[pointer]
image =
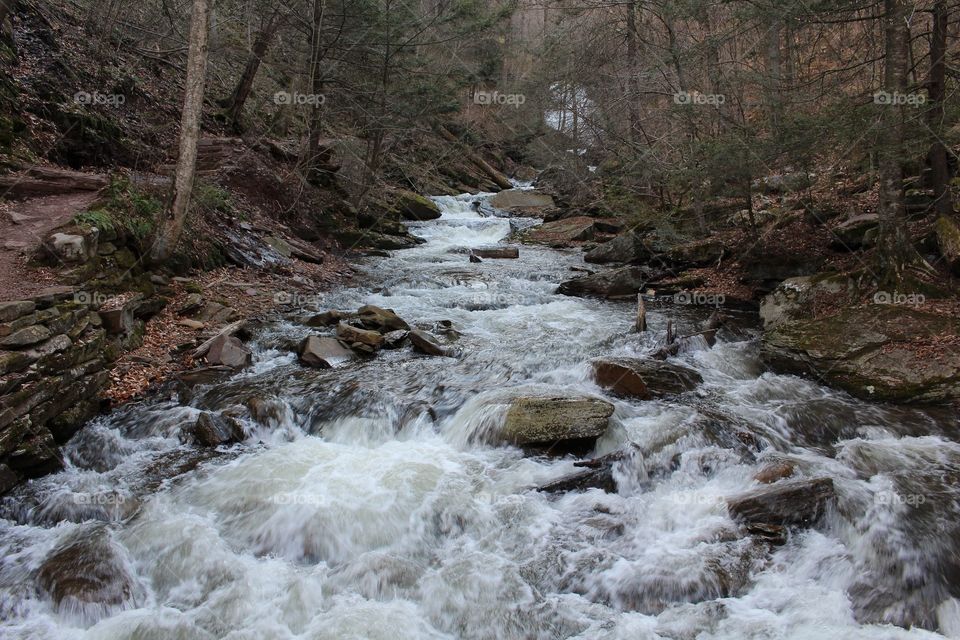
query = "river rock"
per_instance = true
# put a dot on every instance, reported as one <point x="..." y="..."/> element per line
<point x="564" y="232"/>
<point x="412" y="206"/>
<point x="618" y="282"/>
<point x="330" y="318"/>
<point x="426" y="343"/>
<point x="394" y="339"/>
<point x="354" y="335"/>
<point x="601" y="478"/>
<point x="211" y="430"/>
<point x="774" y="471"/>
<point x="496" y="253"/>
<point x="382" y="320"/>
<point x="629" y="247"/>
<point x="800" y="502"/>
<point x="644" y="379"/>
<point x="204" y="375"/>
<point x="324" y="352"/>
<point x="88" y="574"/>
<point x="519" y="199"/>
<point x="228" y="351"/>
<point x="541" y="420"/>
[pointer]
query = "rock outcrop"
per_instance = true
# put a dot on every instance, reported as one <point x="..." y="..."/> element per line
<point x="54" y="356"/>
<point x="871" y="351"/>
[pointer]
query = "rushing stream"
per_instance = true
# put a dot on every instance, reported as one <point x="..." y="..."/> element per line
<point x="368" y="502"/>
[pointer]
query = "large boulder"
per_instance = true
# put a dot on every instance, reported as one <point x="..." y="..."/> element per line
<point x="644" y="379"/>
<point x="544" y="420"/>
<point x="412" y="206"/>
<point x="521" y="199"/>
<point x="610" y="284"/>
<point x="324" y="352"/>
<point x="569" y="231"/>
<point x="629" y="247"/>
<point x="382" y="320"/>
<point x="88" y="575"/>
<point x="875" y="352"/>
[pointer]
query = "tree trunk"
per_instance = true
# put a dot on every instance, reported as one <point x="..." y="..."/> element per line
<point x="773" y="65"/>
<point x="236" y="102"/>
<point x="6" y="9"/>
<point x="169" y="235"/>
<point x="633" y="80"/>
<point x="308" y="164"/>
<point x="938" y="155"/>
<point x="893" y="241"/>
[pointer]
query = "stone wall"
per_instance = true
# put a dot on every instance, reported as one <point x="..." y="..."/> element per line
<point x="55" y="353"/>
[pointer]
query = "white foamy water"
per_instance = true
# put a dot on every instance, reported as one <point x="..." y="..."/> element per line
<point x="370" y="502"/>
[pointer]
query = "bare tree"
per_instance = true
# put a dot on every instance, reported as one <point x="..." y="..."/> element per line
<point x="169" y="235"/>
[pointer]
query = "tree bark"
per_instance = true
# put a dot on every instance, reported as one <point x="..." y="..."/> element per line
<point x="176" y="216"/>
<point x="236" y="102"/>
<point x="938" y="154"/>
<point x="633" y="81"/>
<point x="312" y="149"/>
<point x="6" y="11"/>
<point x="893" y="241"/>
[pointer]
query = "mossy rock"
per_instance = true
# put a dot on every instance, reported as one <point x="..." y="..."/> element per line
<point x="869" y="352"/>
<point x="948" y="239"/>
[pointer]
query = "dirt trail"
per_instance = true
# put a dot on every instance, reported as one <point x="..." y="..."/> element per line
<point x="23" y="225"/>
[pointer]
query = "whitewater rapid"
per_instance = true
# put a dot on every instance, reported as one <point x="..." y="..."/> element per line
<point x="366" y="502"/>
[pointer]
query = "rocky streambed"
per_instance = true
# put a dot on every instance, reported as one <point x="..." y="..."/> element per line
<point x="458" y="450"/>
